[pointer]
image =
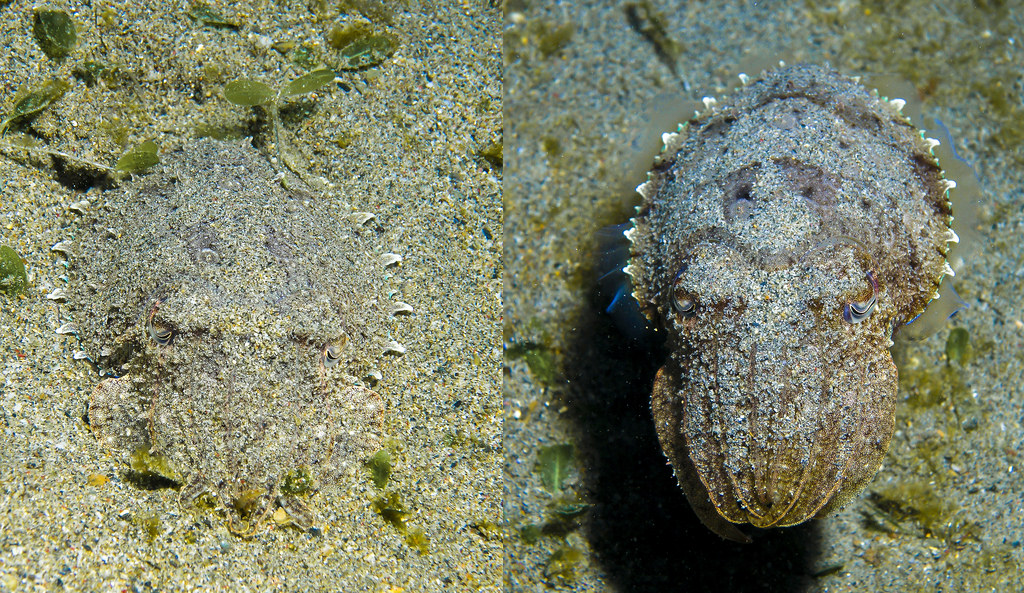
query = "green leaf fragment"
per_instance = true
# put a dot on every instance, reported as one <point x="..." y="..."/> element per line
<point x="55" y="32"/>
<point x="380" y="468"/>
<point x="554" y="462"/>
<point x="307" y="83"/>
<point x="342" y="35"/>
<point x="35" y="101"/>
<point x="367" y="51"/>
<point x="13" y="278"/>
<point x="202" y="12"/>
<point x="958" y="346"/>
<point x="138" y="158"/>
<point x="248" y="92"/>
<point x="374" y="10"/>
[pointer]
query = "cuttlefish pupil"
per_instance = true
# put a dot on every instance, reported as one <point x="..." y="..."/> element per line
<point x="858" y="311"/>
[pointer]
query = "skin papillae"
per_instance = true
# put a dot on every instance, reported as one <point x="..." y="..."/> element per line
<point x="783" y="234"/>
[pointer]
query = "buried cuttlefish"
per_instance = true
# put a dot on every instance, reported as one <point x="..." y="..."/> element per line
<point x="235" y="321"/>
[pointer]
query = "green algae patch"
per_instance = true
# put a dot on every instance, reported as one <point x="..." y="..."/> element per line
<point x="492" y="155"/>
<point x="13" y="278"/>
<point x="538" y="357"/>
<point x="958" y="346"/>
<point x="297" y="482"/>
<point x="560" y="569"/>
<point x="554" y="463"/>
<point x="151" y="525"/>
<point x="380" y="468"/>
<point x="417" y="539"/>
<point x="55" y="32"/>
<point x="391" y="508"/>
<point x="550" y="41"/>
<point x="150" y="472"/>
<point x="138" y="158"/>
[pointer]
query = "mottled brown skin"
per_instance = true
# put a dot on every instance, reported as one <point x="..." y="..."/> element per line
<point x="763" y="221"/>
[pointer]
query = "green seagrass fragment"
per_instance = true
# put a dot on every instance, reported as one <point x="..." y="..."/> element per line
<point x="554" y="462"/>
<point x="958" y="346"/>
<point x="139" y="158"/>
<point x="202" y="12"/>
<point x="341" y="36"/>
<point x="307" y="83"/>
<point x="55" y="32"/>
<point x="247" y="92"/>
<point x="13" y="278"/>
<point x="36" y="100"/>
<point x="368" y="51"/>
<point x="374" y="10"/>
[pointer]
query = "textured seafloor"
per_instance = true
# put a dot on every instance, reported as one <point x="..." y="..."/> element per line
<point x="399" y="140"/>
<point x="589" y="88"/>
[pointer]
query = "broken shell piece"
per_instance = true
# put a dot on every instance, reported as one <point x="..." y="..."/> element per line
<point x="374" y="377"/>
<point x="58" y="294"/>
<point x="361" y="218"/>
<point x="62" y="247"/>
<point x="390" y="259"/>
<point x="67" y="328"/>
<point x="395" y="348"/>
<point x="399" y="308"/>
<point x="79" y="207"/>
<point x="898" y="104"/>
<point x="80" y="355"/>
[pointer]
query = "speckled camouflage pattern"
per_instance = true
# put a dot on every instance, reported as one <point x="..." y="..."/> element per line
<point x="234" y="320"/>
<point x="784" y="233"/>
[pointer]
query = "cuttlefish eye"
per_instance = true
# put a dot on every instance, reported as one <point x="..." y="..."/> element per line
<point x="858" y="311"/>
<point x="162" y="335"/>
<point x="682" y="301"/>
<point x="331" y="355"/>
<point x="684" y="305"/>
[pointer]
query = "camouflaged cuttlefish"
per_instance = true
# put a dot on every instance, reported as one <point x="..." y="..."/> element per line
<point x="784" y="233"/>
<point x="234" y="320"/>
